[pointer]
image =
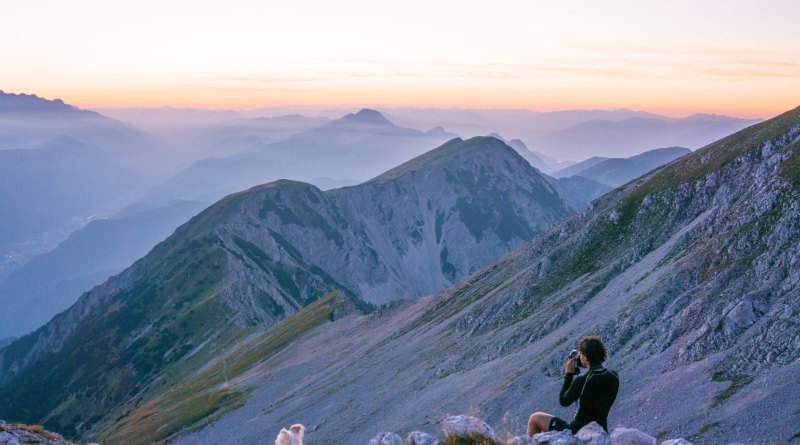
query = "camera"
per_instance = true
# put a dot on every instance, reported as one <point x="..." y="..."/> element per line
<point x="573" y="355"/>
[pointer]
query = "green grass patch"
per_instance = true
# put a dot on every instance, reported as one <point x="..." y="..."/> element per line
<point x="199" y="399"/>
<point x="790" y="169"/>
<point x="738" y="382"/>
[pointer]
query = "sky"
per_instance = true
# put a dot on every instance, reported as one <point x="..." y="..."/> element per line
<point x="678" y="57"/>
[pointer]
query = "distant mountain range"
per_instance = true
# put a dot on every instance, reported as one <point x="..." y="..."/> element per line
<point x="56" y="186"/>
<point x="579" y="134"/>
<point x="356" y="147"/>
<point x="629" y="136"/>
<point x="614" y="172"/>
<point x="60" y="167"/>
<point x="260" y="256"/>
<point x="51" y="282"/>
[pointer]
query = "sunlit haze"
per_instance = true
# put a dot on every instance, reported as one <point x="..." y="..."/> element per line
<point x="739" y="57"/>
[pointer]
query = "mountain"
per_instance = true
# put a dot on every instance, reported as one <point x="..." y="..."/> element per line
<point x="189" y="135"/>
<point x="61" y="166"/>
<point x="622" y="138"/>
<point x="689" y="274"/>
<point x="249" y="272"/>
<point x="51" y="282"/>
<point x="27" y="121"/>
<point x="577" y="191"/>
<point x="578" y="167"/>
<point x="356" y="147"/>
<point x="617" y="171"/>
<point x="57" y="186"/>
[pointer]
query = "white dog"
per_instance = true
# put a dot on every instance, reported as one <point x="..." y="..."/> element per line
<point x="292" y="436"/>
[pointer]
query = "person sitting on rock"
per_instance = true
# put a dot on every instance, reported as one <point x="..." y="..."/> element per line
<point x="596" y="391"/>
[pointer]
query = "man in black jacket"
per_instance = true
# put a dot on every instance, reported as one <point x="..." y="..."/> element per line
<point x="596" y="391"/>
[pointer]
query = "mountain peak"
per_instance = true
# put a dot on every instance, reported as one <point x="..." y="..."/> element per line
<point x="447" y="152"/>
<point x="11" y="102"/>
<point x="366" y="116"/>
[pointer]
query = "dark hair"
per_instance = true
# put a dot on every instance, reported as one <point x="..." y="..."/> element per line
<point x="593" y="349"/>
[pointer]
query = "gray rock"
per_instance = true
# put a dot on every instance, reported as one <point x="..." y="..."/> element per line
<point x="593" y="434"/>
<point x="555" y="438"/>
<point x="420" y="438"/>
<point x="386" y="439"/>
<point x="680" y="441"/>
<point x="7" y="439"/>
<point x="520" y="440"/>
<point x="631" y="436"/>
<point x="465" y="426"/>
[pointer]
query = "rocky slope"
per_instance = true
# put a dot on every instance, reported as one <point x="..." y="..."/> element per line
<point x="218" y="284"/>
<point x="690" y="274"/>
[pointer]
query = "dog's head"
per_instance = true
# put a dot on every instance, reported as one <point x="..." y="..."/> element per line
<point x="298" y="429"/>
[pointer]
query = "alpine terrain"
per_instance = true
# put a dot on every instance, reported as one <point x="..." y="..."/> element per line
<point x="691" y="274"/>
<point x="249" y="275"/>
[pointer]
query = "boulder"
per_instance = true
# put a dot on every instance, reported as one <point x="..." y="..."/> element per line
<point x="631" y="436"/>
<point x="593" y="434"/>
<point x="555" y="438"/>
<point x="420" y="438"/>
<point x="519" y="440"/>
<point x="386" y="439"/>
<point x="680" y="441"/>
<point x="467" y="426"/>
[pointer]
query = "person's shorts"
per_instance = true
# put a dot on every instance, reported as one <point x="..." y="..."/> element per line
<point x="558" y="424"/>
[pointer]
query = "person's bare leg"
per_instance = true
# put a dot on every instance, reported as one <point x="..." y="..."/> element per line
<point x="539" y="422"/>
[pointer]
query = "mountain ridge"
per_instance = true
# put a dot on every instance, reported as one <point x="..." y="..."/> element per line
<point x="687" y="273"/>
<point x="261" y="256"/>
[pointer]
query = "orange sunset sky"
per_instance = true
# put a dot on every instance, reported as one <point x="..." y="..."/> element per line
<point x="730" y="57"/>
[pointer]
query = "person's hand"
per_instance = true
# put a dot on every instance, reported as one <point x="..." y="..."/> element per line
<point x="569" y="366"/>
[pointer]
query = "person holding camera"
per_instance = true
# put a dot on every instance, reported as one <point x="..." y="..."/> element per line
<point x="595" y="391"/>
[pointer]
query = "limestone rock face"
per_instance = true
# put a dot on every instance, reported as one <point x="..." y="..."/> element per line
<point x="630" y="436"/>
<point x="386" y="439"/>
<point x="467" y="426"/>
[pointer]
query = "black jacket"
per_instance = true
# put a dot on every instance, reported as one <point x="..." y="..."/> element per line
<point x="596" y="390"/>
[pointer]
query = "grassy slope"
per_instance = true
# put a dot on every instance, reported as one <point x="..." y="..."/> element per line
<point x="195" y="398"/>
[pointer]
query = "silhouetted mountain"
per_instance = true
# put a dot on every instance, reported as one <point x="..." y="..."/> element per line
<point x="578" y="167"/>
<point x="61" y="166"/>
<point x="355" y="147"/>
<point x="627" y="137"/>
<point x="615" y="172"/>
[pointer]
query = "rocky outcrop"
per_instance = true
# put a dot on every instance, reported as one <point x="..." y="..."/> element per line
<point x="466" y="430"/>
<point x="468" y="427"/>
<point x="386" y="439"/>
<point x="630" y="436"/>
<point x="19" y="434"/>
<point x="420" y="438"/>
